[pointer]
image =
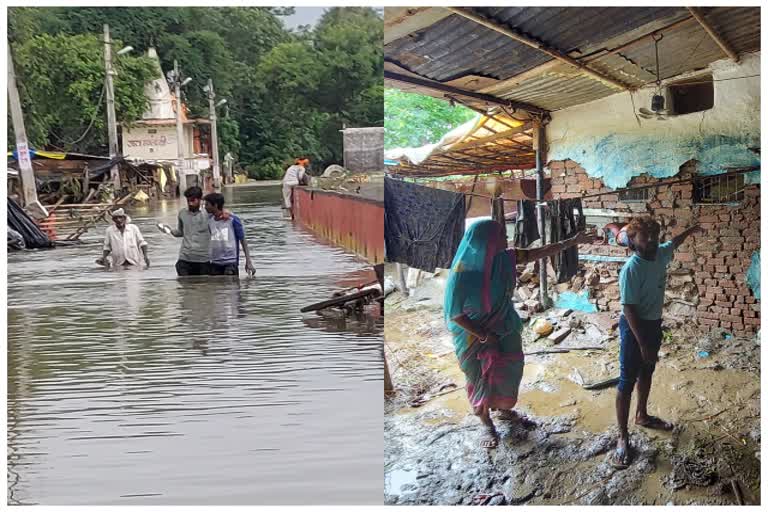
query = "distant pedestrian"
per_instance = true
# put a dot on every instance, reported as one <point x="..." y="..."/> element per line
<point x="295" y="175"/>
<point x="123" y="243"/>
<point x="226" y="237"/>
<point x="192" y="227"/>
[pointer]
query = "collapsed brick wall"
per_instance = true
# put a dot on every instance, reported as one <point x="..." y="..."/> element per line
<point x="707" y="279"/>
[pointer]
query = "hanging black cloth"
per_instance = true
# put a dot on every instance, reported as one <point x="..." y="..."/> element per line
<point x="423" y="226"/>
<point x="564" y="224"/>
<point x="526" y="228"/>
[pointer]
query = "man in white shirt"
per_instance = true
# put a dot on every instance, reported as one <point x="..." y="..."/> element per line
<point x="295" y="175"/>
<point x="124" y="243"/>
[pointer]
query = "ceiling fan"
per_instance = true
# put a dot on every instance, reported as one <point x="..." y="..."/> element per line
<point x="657" y="111"/>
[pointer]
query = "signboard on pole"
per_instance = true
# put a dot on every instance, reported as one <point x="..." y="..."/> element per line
<point x="25" y="162"/>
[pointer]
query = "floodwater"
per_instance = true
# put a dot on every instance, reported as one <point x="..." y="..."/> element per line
<point x="136" y="387"/>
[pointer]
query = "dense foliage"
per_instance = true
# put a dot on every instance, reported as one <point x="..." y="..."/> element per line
<point x="288" y="92"/>
<point x="413" y="120"/>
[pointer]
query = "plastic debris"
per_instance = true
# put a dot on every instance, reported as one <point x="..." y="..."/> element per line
<point x="542" y="327"/>
<point x="702" y="354"/>
<point x="576" y="302"/>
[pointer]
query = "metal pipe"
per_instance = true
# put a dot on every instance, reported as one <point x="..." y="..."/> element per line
<point x="539" y="142"/>
<point x="437" y="86"/>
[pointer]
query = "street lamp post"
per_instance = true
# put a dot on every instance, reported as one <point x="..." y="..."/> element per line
<point x="111" y="117"/>
<point x="214" y="133"/>
<point x="177" y="85"/>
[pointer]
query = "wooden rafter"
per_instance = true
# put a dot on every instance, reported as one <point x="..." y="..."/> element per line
<point x="503" y="135"/>
<point x="707" y="26"/>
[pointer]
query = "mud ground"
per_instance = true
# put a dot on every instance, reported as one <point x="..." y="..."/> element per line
<point x="432" y="441"/>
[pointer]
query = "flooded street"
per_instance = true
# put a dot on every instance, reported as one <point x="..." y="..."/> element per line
<point x="139" y="388"/>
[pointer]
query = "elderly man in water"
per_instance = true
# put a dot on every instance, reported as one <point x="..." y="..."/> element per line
<point x="642" y="282"/>
<point x="124" y="243"/>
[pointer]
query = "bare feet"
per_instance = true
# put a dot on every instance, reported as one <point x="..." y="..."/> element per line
<point x="622" y="457"/>
<point x="654" y="423"/>
<point x="490" y="437"/>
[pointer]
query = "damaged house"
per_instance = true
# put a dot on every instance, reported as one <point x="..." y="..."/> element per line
<point x="693" y="156"/>
<point x="615" y="113"/>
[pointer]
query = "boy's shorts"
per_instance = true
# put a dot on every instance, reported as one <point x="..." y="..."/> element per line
<point x="630" y="358"/>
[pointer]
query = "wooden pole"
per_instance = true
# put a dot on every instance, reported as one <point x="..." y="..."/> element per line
<point x="471" y="194"/>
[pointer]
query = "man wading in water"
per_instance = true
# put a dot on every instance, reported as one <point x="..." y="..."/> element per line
<point x="192" y="226"/>
<point x="124" y="243"/>
<point x="642" y="282"/>
<point x="227" y="234"/>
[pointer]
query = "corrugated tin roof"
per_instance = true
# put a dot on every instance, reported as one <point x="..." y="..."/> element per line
<point x="456" y="47"/>
<point x="740" y="26"/>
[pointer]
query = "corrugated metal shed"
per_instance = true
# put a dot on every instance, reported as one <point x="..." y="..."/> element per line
<point x="460" y="52"/>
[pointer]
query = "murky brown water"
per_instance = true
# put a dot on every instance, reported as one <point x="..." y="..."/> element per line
<point x="140" y="388"/>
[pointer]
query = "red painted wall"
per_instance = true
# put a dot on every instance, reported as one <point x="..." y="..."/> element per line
<point x="351" y="222"/>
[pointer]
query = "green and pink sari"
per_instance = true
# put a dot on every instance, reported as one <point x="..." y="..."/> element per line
<point x="480" y="285"/>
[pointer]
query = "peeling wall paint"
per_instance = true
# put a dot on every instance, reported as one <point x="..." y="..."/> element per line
<point x="611" y="143"/>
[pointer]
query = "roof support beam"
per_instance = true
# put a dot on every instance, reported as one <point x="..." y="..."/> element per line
<point x="706" y="25"/>
<point x="552" y="52"/>
<point x="508" y="134"/>
<point x="437" y="86"/>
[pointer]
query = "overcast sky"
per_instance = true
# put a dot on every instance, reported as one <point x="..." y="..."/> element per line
<point x="304" y="16"/>
<point x="309" y="16"/>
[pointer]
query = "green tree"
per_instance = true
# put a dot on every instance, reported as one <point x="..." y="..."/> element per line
<point x="288" y="92"/>
<point x="61" y="81"/>
<point x="413" y="120"/>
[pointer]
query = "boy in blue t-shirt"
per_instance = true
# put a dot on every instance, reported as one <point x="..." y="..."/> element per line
<point x="227" y="235"/>
<point x="642" y="282"/>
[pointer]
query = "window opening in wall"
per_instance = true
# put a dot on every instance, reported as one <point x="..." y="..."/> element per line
<point x="718" y="189"/>
<point x="635" y="196"/>
<point x="152" y="130"/>
<point x="692" y="95"/>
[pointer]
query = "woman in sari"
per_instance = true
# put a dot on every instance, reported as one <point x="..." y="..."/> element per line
<point x="486" y="329"/>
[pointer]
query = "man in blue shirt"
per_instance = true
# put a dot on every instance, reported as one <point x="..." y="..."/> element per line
<point x="227" y="235"/>
<point x="642" y="283"/>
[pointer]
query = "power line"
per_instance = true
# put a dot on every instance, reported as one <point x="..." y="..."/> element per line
<point x="90" y="125"/>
